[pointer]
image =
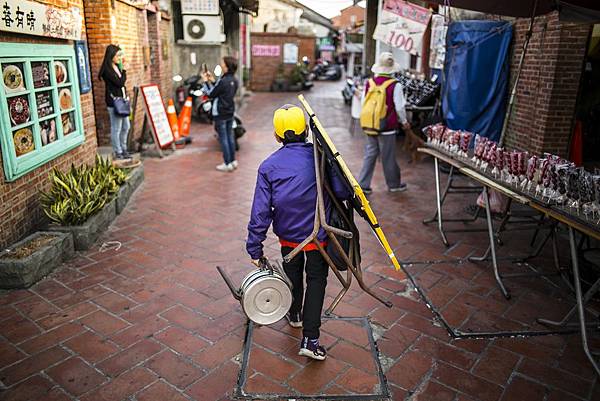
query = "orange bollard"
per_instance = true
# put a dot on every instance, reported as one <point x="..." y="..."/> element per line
<point x="185" y="117"/>
<point x="172" y="116"/>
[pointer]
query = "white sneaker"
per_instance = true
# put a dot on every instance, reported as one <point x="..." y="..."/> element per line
<point x="234" y="164"/>
<point x="225" y="167"/>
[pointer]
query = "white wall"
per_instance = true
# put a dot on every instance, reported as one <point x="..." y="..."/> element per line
<point x="278" y="17"/>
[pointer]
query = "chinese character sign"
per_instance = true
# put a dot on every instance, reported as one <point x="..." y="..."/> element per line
<point x="402" y="25"/>
<point x="266" y="50"/>
<point x="30" y="18"/>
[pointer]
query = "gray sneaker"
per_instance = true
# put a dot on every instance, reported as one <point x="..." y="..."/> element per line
<point x="401" y="188"/>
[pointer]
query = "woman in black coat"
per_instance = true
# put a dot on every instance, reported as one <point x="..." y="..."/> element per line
<point x="114" y="76"/>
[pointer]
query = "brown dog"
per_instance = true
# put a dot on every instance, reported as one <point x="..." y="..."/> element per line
<point x="411" y="142"/>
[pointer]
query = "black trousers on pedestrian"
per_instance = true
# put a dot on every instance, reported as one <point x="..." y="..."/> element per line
<point x="316" y="281"/>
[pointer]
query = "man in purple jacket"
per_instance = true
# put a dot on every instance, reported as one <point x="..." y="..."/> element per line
<point x="286" y="196"/>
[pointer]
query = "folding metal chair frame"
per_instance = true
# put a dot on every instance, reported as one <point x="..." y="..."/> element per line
<point x="352" y="259"/>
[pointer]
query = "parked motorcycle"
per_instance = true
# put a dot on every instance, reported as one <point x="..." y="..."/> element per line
<point x="348" y="91"/>
<point x="325" y="71"/>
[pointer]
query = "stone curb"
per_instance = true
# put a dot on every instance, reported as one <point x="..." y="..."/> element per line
<point x="23" y="273"/>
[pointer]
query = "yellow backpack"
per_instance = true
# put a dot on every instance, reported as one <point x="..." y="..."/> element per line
<point x="374" y="110"/>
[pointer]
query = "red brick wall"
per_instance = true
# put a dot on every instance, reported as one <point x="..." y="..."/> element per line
<point x="543" y="114"/>
<point x="136" y="31"/>
<point x="344" y="20"/>
<point x="130" y="34"/>
<point x="166" y="58"/>
<point x="264" y="69"/>
<point x="159" y="37"/>
<point x="20" y="211"/>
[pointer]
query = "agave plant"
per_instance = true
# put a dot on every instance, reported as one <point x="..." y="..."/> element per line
<point x="81" y="192"/>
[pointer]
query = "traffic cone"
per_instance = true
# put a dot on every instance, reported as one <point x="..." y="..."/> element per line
<point x="172" y="116"/>
<point x="185" y="117"/>
<point x="576" y="151"/>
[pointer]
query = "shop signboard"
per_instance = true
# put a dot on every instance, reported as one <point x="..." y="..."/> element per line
<point x="402" y="25"/>
<point x="326" y="48"/>
<point x="290" y="53"/>
<point x="31" y="18"/>
<point x="266" y="50"/>
<point x="83" y="66"/>
<point x="157" y="114"/>
<point x="205" y="7"/>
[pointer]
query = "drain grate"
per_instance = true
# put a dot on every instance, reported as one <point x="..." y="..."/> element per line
<point x="272" y="370"/>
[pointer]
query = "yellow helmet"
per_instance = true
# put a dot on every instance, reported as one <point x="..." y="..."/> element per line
<point x="289" y="118"/>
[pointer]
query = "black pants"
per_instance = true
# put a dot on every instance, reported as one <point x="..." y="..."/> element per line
<point x="316" y="281"/>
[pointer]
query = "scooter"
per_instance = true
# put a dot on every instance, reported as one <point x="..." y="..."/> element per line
<point x="205" y="107"/>
<point x="348" y="91"/>
<point x="352" y="85"/>
<point x="326" y="71"/>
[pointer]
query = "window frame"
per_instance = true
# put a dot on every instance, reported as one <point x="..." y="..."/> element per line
<point x="12" y="53"/>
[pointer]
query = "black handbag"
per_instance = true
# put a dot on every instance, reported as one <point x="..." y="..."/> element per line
<point x="122" y="105"/>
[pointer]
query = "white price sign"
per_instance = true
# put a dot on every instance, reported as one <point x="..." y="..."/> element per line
<point x="402" y="25"/>
<point x="290" y="53"/>
<point x="155" y="108"/>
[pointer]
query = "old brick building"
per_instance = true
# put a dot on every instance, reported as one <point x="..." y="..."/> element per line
<point x="52" y="121"/>
<point x="24" y="170"/>
<point x="144" y="33"/>
<point x="349" y="18"/>
<point x="268" y="53"/>
<point x="544" y="111"/>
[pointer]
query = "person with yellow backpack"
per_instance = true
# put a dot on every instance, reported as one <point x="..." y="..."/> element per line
<point x="383" y="113"/>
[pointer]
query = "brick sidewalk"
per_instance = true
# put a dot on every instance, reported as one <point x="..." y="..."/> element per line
<point x="154" y="320"/>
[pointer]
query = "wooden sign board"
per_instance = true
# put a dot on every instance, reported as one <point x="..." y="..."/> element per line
<point x="157" y="115"/>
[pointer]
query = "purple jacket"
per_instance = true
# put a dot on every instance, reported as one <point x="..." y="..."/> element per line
<point x="286" y="195"/>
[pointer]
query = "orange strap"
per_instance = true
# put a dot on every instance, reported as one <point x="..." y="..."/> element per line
<point x="310" y="247"/>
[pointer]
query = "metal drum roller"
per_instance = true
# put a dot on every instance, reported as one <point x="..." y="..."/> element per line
<point x="265" y="293"/>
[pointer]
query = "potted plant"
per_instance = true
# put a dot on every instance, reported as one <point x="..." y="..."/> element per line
<point x="83" y="201"/>
<point x="296" y="78"/>
<point x="33" y="258"/>
<point x="280" y="83"/>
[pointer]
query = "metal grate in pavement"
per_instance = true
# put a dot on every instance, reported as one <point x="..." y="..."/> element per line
<point x="272" y="370"/>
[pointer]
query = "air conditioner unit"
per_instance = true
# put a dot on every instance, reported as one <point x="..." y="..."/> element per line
<point x="203" y="29"/>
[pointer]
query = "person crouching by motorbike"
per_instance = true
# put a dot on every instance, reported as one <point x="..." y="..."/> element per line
<point x="222" y="93"/>
<point x="286" y="195"/>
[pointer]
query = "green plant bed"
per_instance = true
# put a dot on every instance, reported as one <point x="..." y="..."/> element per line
<point x="33" y="258"/>
<point x="82" y="201"/>
<point x="86" y="234"/>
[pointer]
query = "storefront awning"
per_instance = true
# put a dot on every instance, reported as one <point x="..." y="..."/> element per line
<point x="587" y="11"/>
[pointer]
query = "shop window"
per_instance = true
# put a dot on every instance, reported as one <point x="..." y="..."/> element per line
<point x="39" y="105"/>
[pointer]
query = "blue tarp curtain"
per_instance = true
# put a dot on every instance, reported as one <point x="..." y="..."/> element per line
<point x="475" y="87"/>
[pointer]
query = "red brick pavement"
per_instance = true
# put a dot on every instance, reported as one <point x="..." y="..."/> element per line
<point x="154" y="321"/>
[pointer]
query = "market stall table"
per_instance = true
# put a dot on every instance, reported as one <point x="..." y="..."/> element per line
<point x="572" y="222"/>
